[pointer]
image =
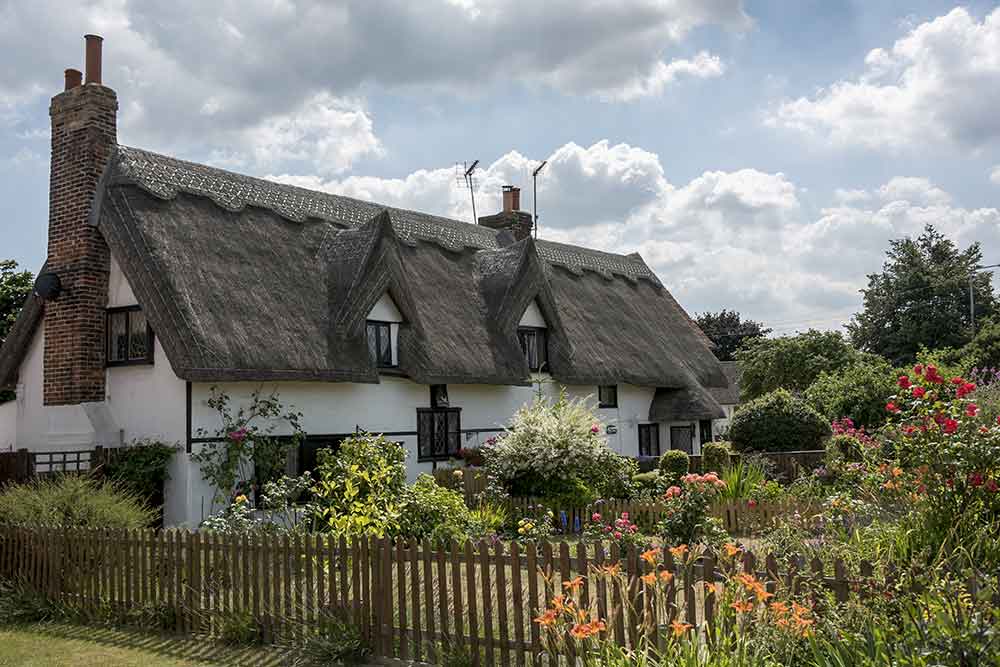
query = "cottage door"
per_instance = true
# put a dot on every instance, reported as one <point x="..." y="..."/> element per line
<point x="682" y="438"/>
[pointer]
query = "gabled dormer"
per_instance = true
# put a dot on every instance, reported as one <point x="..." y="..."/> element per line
<point x="382" y="332"/>
<point x="532" y="334"/>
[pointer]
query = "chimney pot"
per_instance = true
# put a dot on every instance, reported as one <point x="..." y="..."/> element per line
<point x="511" y="198"/>
<point x="93" y="59"/>
<point x="74" y="78"/>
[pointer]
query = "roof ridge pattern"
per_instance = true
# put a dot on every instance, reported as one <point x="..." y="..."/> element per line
<point x="165" y="177"/>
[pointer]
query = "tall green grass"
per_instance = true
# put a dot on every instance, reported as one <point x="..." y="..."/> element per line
<point x="742" y="479"/>
<point x="73" y="501"/>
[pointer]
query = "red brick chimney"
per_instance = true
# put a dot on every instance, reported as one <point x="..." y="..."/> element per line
<point x="511" y="218"/>
<point x="84" y="132"/>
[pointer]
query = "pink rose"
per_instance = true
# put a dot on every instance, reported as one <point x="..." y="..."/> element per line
<point x="239" y="435"/>
<point x="595" y="517"/>
<point x="618" y="535"/>
<point x="595" y="429"/>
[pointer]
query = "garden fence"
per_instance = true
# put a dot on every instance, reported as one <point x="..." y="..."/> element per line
<point x="407" y="599"/>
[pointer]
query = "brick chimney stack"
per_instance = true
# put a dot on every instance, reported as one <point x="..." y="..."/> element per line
<point x="511" y="218"/>
<point x="84" y="133"/>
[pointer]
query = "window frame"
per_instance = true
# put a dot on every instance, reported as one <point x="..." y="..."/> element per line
<point x="654" y="430"/>
<point x="447" y="454"/>
<point x="110" y="313"/>
<point x="601" y="402"/>
<point x="379" y="324"/>
<point x="541" y="351"/>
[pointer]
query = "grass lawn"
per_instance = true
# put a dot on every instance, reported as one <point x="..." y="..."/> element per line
<point x="51" y="645"/>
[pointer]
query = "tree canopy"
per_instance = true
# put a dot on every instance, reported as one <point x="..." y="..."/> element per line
<point x="921" y="298"/>
<point x="790" y="362"/>
<point x="729" y="331"/>
<point x="15" y="286"/>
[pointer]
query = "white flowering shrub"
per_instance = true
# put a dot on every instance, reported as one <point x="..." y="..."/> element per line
<point x="554" y="450"/>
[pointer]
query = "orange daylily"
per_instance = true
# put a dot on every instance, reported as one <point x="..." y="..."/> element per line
<point x="649" y="578"/>
<point x="652" y="556"/>
<point x="574" y="584"/>
<point x="666" y="576"/>
<point x="679" y="551"/>
<point x="680" y="628"/>
<point x="742" y="606"/>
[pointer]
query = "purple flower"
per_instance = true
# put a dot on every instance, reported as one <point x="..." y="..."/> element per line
<point x="595" y="429"/>
<point x="239" y="435"/>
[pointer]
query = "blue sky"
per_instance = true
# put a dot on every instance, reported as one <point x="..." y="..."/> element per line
<point x="759" y="155"/>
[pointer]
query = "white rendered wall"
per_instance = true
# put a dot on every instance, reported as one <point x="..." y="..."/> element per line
<point x="533" y="317"/>
<point x="8" y="425"/>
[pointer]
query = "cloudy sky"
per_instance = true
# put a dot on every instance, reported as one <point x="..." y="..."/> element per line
<point x="758" y="154"/>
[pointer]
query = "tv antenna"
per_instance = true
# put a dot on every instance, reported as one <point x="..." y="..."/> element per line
<point x="468" y="176"/>
<point x="534" y="192"/>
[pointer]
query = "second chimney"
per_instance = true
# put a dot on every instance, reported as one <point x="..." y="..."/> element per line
<point x="92" y="66"/>
<point x="511" y="199"/>
<point x="511" y="218"/>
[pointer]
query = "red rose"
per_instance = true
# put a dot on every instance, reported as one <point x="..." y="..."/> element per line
<point x="950" y="425"/>
<point x="971" y="409"/>
<point x="957" y="380"/>
<point x="751" y="504"/>
<point x="918" y="392"/>
<point x="976" y="479"/>
<point x="904" y="381"/>
<point x="992" y="486"/>
<point x="918" y="369"/>
<point x="892" y="407"/>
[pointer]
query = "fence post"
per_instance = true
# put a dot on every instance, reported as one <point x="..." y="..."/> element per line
<point x="24" y="468"/>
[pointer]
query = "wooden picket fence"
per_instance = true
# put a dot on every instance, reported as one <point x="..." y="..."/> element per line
<point x="407" y="599"/>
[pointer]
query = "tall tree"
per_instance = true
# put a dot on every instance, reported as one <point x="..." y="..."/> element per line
<point x="791" y="362"/>
<point x="921" y="298"/>
<point x="729" y="331"/>
<point x="15" y="286"/>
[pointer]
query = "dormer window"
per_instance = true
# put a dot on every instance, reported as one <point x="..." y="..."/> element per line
<point x="130" y="338"/>
<point x="380" y="345"/>
<point x="535" y="347"/>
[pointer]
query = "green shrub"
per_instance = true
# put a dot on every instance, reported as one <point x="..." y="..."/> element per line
<point x="487" y="519"/>
<point x="141" y="469"/>
<point x="777" y="422"/>
<point x="360" y="488"/>
<point x="674" y="464"/>
<point x="715" y="457"/>
<point x="554" y="449"/>
<point x="73" y="501"/>
<point x="427" y="505"/>
<point x="744" y="481"/>
<point x="648" y="484"/>
<point x="858" y="392"/>
<point x="844" y="448"/>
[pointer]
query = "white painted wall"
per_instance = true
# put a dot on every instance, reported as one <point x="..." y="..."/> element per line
<point x="8" y="425"/>
<point x="533" y="316"/>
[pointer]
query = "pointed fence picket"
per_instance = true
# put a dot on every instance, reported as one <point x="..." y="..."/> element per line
<point x="409" y="599"/>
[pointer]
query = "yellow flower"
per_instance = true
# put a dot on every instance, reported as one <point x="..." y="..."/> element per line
<point x="240" y="499"/>
<point x="521" y="530"/>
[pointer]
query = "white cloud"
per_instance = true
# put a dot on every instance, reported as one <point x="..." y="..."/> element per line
<point x="938" y="84"/>
<point x="653" y="83"/>
<point x="995" y="175"/>
<point x="913" y="189"/>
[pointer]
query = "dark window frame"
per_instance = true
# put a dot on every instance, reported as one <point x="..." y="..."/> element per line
<point x="451" y="449"/>
<point x="602" y="401"/>
<point x="147" y="360"/>
<point x="439" y="396"/>
<point x="379" y="325"/>
<point x="692" y="437"/>
<point x="541" y="360"/>
<point x="653" y="431"/>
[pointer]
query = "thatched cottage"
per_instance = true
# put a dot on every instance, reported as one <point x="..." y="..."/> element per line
<point x="165" y="278"/>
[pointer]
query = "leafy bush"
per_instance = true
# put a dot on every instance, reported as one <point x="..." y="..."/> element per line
<point x="73" y="501"/>
<point x="340" y="642"/>
<point x="487" y="519"/>
<point x="777" y="422"/>
<point x="536" y="524"/>
<point x="685" y="515"/>
<point x="554" y="449"/>
<point x="674" y="464"/>
<point x="360" y="488"/>
<point x="845" y="448"/>
<point x="858" y="392"/>
<point x="715" y="457"/>
<point x="620" y="530"/>
<point x="648" y="485"/>
<point x="280" y="513"/>
<point x="427" y="505"/>
<point x="141" y="469"/>
<point x="791" y="362"/>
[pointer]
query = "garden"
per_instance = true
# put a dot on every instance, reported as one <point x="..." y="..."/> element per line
<point x="886" y="553"/>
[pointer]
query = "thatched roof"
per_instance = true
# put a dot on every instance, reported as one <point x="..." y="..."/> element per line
<point x="685" y="404"/>
<point x="730" y="394"/>
<point x="245" y="279"/>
